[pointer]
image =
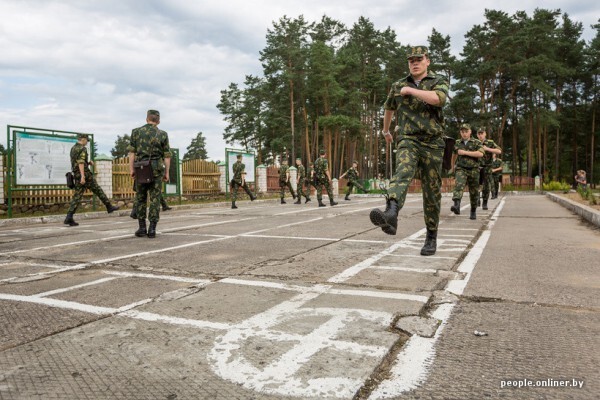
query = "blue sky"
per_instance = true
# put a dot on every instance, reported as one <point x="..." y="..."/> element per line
<point x="97" y="66"/>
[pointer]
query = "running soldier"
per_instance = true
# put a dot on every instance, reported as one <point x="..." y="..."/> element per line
<point x="84" y="179"/>
<point x="352" y="180"/>
<point x="467" y="153"/>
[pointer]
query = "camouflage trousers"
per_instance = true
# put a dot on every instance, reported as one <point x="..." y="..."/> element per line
<point x="319" y="185"/>
<point x="90" y="184"/>
<point x="488" y="183"/>
<point x="496" y="184"/>
<point x="467" y="177"/>
<point x="154" y="190"/>
<point x="300" y="189"/>
<point x="163" y="202"/>
<point x="412" y="156"/>
<point x="234" y="189"/>
<point x="352" y="184"/>
<point x="284" y="185"/>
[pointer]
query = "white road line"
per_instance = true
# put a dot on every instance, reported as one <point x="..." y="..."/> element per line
<point x="405" y="269"/>
<point x="147" y="316"/>
<point x="68" y="289"/>
<point x="364" y="241"/>
<point x="382" y="295"/>
<point x="152" y="276"/>
<point x="69" y="305"/>
<point x="428" y="257"/>
<point x="290" y="237"/>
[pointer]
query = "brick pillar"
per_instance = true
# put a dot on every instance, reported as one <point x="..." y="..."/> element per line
<point x="293" y="177"/>
<point x="261" y="179"/>
<point x="103" y="168"/>
<point x="222" y="178"/>
<point x="335" y="187"/>
<point x="1" y="180"/>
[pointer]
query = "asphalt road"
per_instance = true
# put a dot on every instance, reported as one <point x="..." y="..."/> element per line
<point x="275" y="301"/>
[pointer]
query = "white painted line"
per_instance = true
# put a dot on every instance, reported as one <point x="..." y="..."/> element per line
<point x="54" y="271"/>
<point x="405" y="269"/>
<point x="187" y="227"/>
<point x="291" y="237"/>
<point x="365" y="241"/>
<point x="458" y="229"/>
<point x="428" y="257"/>
<point x="444" y="236"/>
<point x="382" y="295"/>
<point x="69" y="305"/>
<point x="68" y="289"/>
<point x="133" y="305"/>
<point x="147" y="316"/>
<point x="152" y="276"/>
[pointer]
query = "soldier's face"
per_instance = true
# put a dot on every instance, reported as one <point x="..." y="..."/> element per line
<point x="418" y="66"/>
<point x="481" y="135"/>
<point x="465" y="134"/>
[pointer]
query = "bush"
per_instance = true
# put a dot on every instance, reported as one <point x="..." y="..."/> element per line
<point x="554" y="186"/>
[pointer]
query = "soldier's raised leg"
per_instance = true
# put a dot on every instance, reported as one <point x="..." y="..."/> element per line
<point x="431" y="178"/>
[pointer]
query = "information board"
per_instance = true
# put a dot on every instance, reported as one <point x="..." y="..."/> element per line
<point x="247" y="159"/>
<point x="42" y="159"/>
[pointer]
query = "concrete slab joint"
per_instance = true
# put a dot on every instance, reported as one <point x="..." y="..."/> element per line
<point x="421" y="326"/>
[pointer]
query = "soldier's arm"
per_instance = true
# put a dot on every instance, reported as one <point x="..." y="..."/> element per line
<point x="131" y="161"/>
<point x="435" y="97"/>
<point x="474" y="153"/>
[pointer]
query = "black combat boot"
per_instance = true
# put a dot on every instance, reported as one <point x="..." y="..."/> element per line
<point x="152" y="230"/>
<point x="298" y="201"/>
<point x="456" y="207"/>
<point x="484" y="206"/>
<point x="307" y="199"/>
<point x="110" y="208"/>
<point x="70" y="221"/>
<point x="252" y="197"/>
<point x="332" y="203"/>
<point x="473" y="214"/>
<point x="166" y="207"/>
<point x="233" y="205"/>
<point x="321" y="203"/>
<point x="133" y="213"/>
<point x="283" y="201"/>
<point x="430" y="245"/>
<point x="141" y="232"/>
<point x="347" y="197"/>
<point x="387" y="220"/>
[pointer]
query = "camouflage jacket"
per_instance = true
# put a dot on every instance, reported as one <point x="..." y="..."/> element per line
<point x="301" y="172"/>
<point x="150" y="143"/>
<point x="416" y="118"/>
<point x="79" y="155"/>
<point x="283" y="173"/>
<point x="352" y="174"/>
<point x="487" y="158"/>
<point x="238" y="170"/>
<point x="497" y="163"/>
<point x="467" y="161"/>
<point x="321" y="167"/>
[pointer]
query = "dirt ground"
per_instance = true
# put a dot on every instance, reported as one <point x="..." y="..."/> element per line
<point x="577" y="197"/>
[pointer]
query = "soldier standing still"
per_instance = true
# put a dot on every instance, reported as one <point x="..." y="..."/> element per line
<point x="323" y="179"/>
<point x="149" y="143"/>
<point x="419" y="99"/>
<point x="163" y="203"/>
<point x="352" y="180"/>
<point x="486" y="162"/>
<point x="284" y="180"/>
<point x="300" y="180"/>
<point x="467" y="153"/>
<point x="239" y="180"/>
<point x="84" y="179"/>
<point x="496" y="174"/>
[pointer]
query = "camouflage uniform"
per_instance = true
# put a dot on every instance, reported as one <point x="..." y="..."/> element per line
<point x="352" y="175"/>
<point x="467" y="171"/>
<point x="497" y="163"/>
<point x="321" y="180"/>
<point x="301" y="181"/>
<point x="284" y="181"/>
<point x="79" y="155"/>
<point x="236" y="182"/>
<point x="486" y="164"/>
<point x="420" y="146"/>
<point x="150" y="143"/>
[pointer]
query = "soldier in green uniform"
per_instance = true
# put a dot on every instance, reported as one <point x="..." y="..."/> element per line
<point x="284" y="180"/>
<point x="496" y="174"/>
<point x="467" y="153"/>
<point x="300" y="180"/>
<point x="352" y="180"/>
<point x="239" y="180"/>
<point x="84" y="179"/>
<point x="323" y="179"/>
<point x="486" y="163"/>
<point x="419" y="99"/>
<point x="163" y="203"/>
<point x="149" y="143"/>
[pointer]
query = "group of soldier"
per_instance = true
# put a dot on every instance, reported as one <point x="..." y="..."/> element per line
<point x="416" y="101"/>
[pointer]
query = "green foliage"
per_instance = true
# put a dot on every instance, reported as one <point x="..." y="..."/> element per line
<point x="120" y="149"/>
<point x="196" y="149"/>
<point x="587" y="194"/>
<point x="554" y="186"/>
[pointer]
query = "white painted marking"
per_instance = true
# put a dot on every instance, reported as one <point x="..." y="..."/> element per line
<point x="69" y="305"/>
<point x="428" y="257"/>
<point x="405" y="269"/>
<point x="365" y="241"/>
<point x="153" y="276"/>
<point x="383" y="295"/>
<point x="68" y="289"/>
<point x="291" y="237"/>
<point x="147" y="316"/>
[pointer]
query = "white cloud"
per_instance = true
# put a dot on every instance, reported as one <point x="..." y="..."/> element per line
<point x="97" y="66"/>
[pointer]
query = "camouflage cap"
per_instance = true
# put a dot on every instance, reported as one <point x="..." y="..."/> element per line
<point x="355" y="162"/>
<point x="465" y="127"/>
<point x="239" y="156"/>
<point x="83" y="136"/>
<point x="481" y="129"/>
<point x="417" y="51"/>
<point x="322" y="151"/>
<point x="298" y="159"/>
<point x="153" y="112"/>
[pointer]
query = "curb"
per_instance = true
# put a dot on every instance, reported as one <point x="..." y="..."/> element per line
<point x="587" y="213"/>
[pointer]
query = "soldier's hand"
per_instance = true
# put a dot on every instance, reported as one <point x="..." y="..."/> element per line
<point x="82" y="181"/>
<point x="166" y="177"/>
<point x="388" y="137"/>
